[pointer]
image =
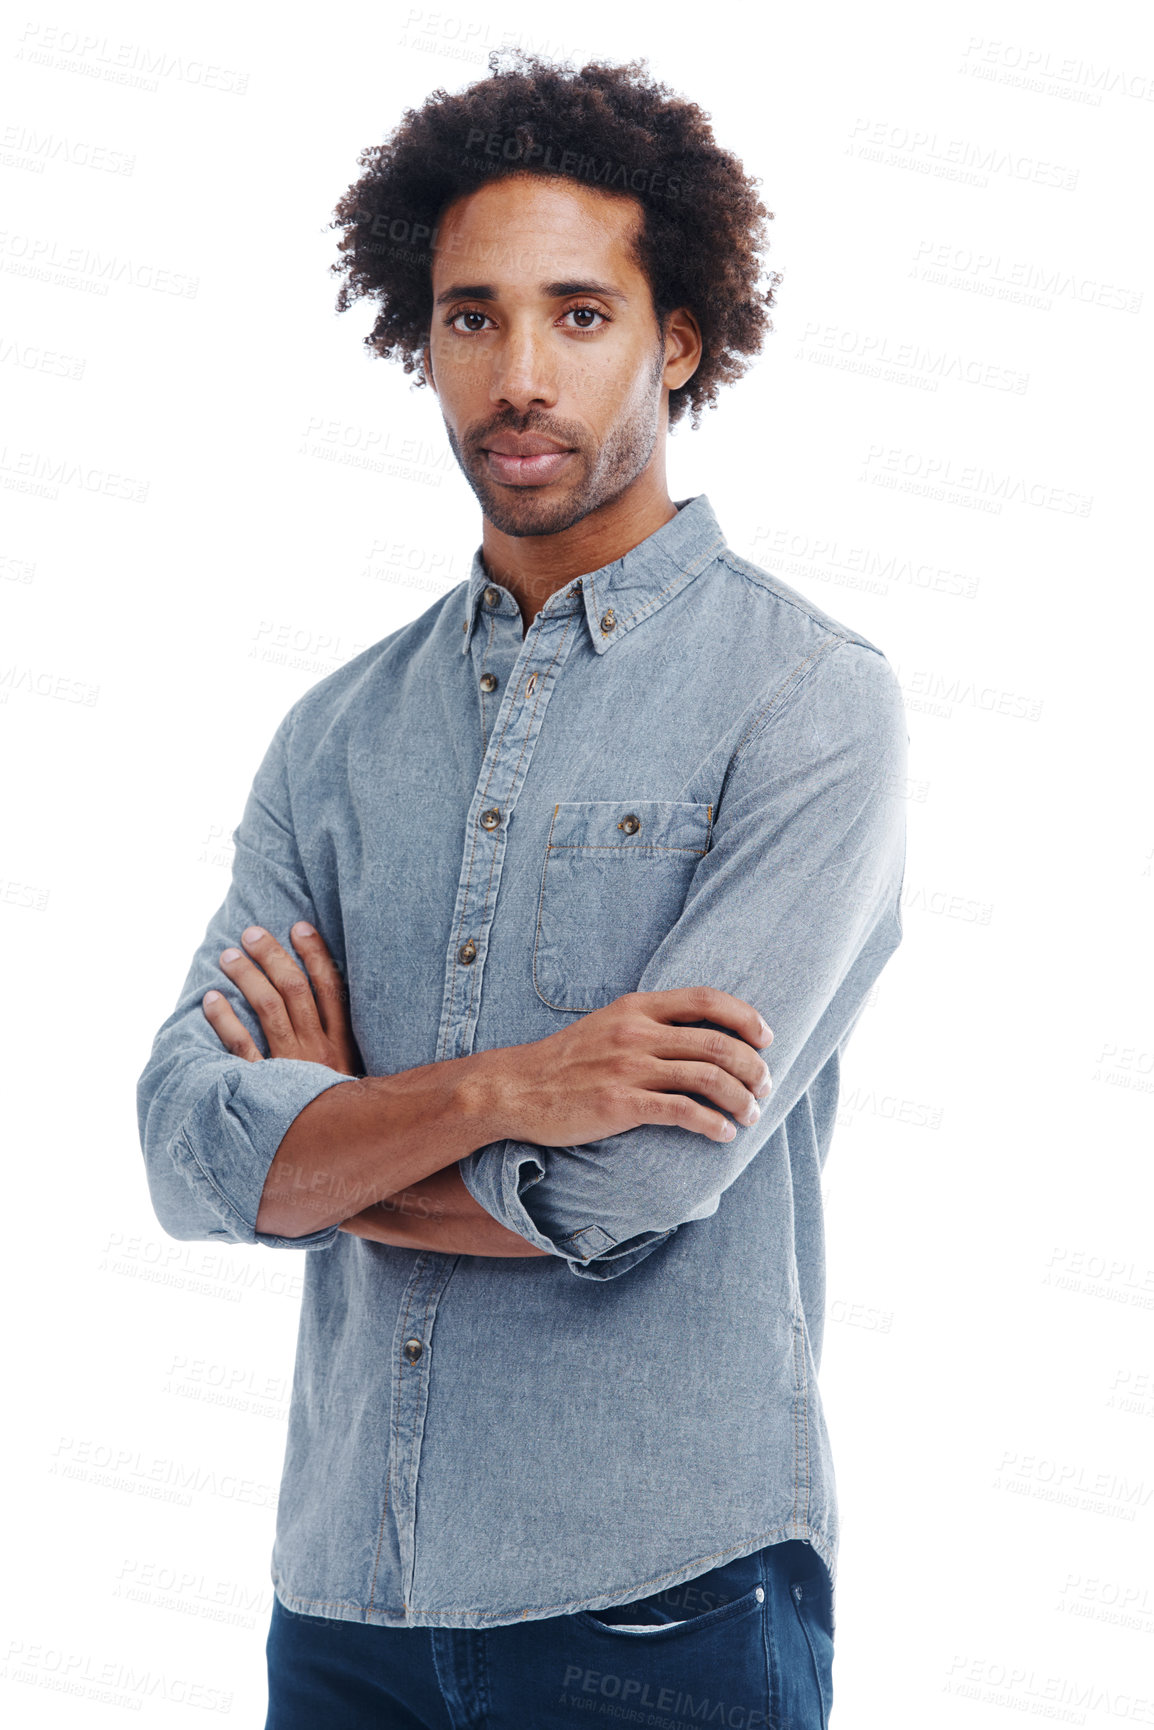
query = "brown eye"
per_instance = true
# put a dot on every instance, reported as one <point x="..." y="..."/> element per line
<point x="466" y="312"/>
<point x="580" y="311"/>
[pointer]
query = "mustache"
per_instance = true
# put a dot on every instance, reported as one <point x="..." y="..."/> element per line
<point x="562" y="433"/>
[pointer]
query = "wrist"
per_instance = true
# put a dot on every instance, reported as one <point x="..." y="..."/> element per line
<point x="486" y="1097"/>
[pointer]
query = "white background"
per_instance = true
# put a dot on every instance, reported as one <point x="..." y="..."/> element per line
<point x="942" y="445"/>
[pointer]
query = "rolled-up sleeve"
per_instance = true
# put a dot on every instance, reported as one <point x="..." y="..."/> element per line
<point x="795" y="908"/>
<point x="210" y="1123"/>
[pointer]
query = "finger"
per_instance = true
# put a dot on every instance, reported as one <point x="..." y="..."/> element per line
<point x="328" y="985"/>
<point x="707" y="1003"/>
<point x="681" y="1111"/>
<point x="708" y="1045"/>
<point x="711" y="1080"/>
<point x="264" y="997"/>
<point x="229" y="1028"/>
<point x="288" y="982"/>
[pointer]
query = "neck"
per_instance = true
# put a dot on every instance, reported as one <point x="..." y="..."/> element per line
<point x="533" y="567"/>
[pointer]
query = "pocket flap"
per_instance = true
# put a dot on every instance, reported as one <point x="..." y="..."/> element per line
<point x="675" y="825"/>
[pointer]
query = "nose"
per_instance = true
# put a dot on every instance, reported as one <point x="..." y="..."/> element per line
<point x="524" y="375"/>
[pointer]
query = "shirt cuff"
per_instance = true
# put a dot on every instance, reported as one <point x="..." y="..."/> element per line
<point x="499" y="1175"/>
<point x="230" y="1137"/>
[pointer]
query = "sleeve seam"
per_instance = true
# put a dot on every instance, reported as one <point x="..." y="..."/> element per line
<point x="788" y="689"/>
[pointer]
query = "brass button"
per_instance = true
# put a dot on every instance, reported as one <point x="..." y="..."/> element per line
<point x="413" y="1350"/>
<point x="467" y="953"/>
<point x="491" y="818"/>
<point x="608" y="619"/>
<point x="493" y="596"/>
<point x="532" y="685"/>
<point x="488" y="681"/>
<point x="630" y="824"/>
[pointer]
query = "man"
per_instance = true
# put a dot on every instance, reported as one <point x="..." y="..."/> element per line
<point x="547" y="855"/>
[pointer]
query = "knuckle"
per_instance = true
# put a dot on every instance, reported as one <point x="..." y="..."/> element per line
<point x="628" y="1101"/>
<point x="617" y="1098"/>
<point x="633" y="1054"/>
<point x="621" y="1064"/>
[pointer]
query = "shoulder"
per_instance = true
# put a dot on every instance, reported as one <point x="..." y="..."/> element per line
<point x="821" y="671"/>
<point x="790" y="610"/>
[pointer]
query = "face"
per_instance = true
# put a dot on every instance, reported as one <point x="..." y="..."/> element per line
<point x="545" y="352"/>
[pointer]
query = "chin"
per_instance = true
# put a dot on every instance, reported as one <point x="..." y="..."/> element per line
<point x="524" y="512"/>
<point x="519" y="530"/>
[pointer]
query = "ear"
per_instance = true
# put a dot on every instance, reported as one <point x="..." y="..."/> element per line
<point x="683" y="346"/>
<point x="427" y="369"/>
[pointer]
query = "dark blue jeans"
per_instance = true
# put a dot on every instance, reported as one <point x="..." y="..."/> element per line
<point x="753" y="1637"/>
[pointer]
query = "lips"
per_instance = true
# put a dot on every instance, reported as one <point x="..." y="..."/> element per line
<point x="524" y="445"/>
<point x="524" y="466"/>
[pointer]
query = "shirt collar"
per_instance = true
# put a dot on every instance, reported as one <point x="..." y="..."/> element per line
<point x="620" y="595"/>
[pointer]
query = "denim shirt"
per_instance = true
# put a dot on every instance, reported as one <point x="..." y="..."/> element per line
<point x="683" y="772"/>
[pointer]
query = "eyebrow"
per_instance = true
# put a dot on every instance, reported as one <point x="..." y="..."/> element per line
<point x="554" y="290"/>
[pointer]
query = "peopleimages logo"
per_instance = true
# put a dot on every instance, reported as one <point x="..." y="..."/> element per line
<point x="633" y="177"/>
<point x="961" y="159"/>
<point x="639" y="1703"/>
<point x="940" y="477"/>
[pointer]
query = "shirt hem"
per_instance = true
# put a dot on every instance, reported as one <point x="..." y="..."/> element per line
<point x="474" y="1616"/>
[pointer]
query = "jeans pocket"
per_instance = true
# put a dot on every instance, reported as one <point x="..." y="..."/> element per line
<point x="811" y="1600"/>
<point x="613" y="881"/>
<point x="661" y="1633"/>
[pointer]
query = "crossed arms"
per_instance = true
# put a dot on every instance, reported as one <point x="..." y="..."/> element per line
<point x="795" y="909"/>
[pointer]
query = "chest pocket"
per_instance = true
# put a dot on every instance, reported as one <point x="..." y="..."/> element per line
<point x="613" y="881"/>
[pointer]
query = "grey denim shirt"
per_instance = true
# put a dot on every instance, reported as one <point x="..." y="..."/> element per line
<point x="685" y="773"/>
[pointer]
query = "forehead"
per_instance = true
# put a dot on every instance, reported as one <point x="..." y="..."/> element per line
<point x="519" y="227"/>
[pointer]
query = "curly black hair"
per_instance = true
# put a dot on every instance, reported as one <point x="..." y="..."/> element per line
<point x="607" y="126"/>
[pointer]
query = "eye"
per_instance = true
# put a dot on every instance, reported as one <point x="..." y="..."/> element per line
<point x="466" y="312"/>
<point x="582" y="309"/>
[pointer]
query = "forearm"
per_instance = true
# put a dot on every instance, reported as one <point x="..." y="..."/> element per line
<point x="438" y="1213"/>
<point x="378" y="1136"/>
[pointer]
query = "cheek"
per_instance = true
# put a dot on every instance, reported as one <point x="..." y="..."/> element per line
<point x="607" y="390"/>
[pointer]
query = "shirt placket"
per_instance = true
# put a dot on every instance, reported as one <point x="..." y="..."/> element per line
<point x="516" y="727"/>
<point x="509" y="751"/>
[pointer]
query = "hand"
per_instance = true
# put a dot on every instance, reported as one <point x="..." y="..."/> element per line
<point x="294" y="1023"/>
<point x="634" y="1062"/>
